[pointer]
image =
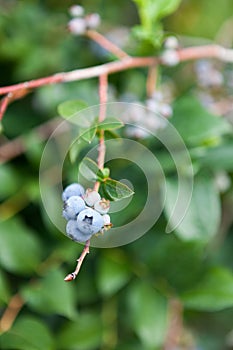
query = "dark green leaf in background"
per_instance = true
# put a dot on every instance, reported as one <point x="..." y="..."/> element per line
<point x="148" y="311"/>
<point x="20" y="249"/>
<point x="113" y="274"/>
<point x="202" y="219"/>
<point x="51" y="295"/>
<point x="4" y="289"/>
<point x="214" y="292"/>
<point x="195" y="124"/>
<point x="84" y="334"/>
<point x="28" y="333"/>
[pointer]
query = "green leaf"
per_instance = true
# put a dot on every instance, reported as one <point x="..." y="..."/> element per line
<point x="20" y="250"/>
<point x="4" y="289"/>
<point x="115" y="190"/>
<point x="89" y="133"/>
<point x="103" y="174"/>
<point x="195" y="124"/>
<point x="215" y="158"/>
<point x="51" y="295"/>
<point x="10" y="179"/>
<point x="202" y="219"/>
<point x="69" y="108"/>
<point x="150" y="12"/>
<point x="84" y="334"/>
<point x="28" y="333"/>
<point x="110" y="123"/>
<point x="89" y="169"/>
<point x="76" y="148"/>
<point x="112" y="275"/>
<point x="214" y="292"/>
<point x="148" y="311"/>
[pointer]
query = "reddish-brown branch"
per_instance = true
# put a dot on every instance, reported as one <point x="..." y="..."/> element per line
<point x="71" y="276"/>
<point x="151" y="80"/>
<point x="15" y="305"/>
<point x="175" y="326"/>
<point x="106" y="44"/>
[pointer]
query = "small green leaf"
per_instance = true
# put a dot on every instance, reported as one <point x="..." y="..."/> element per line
<point x="148" y="311"/>
<point x="28" y="333"/>
<point x="51" y="295"/>
<point x="85" y="333"/>
<point x="89" y="169"/>
<point x="113" y="274"/>
<point x="115" y="190"/>
<point x="76" y="149"/>
<point x="69" y="108"/>
<point x="20" y="250"/>
<point x="214" y="292"/>
<point x="110" y="123"/>
<point x="89" y="133"/>
<point x="103" y="174"/>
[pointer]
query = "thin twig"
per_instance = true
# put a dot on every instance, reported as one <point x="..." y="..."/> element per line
<point x="151" y="80"/>
<point x="106" y="44"/>
<point x="103" y="95"/>
<point x="71" y="276"/>
<point x="175" y="326"/>
<point x="15" y="305"/>
<point x="17" y="146"/>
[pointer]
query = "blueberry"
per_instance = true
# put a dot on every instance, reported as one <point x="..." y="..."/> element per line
<point x="73" y="232"/>
<point x="74" y="189"/>
<point x="72" y="207"/>
<point x="90" y="221"/>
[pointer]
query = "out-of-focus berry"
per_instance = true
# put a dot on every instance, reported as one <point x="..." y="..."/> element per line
<point x="77" y="26"/>
<point x="170" y="57"/>
<point x="171" y="43"/>
<point x="92" y="20"/>
<point x="76" y="11"/>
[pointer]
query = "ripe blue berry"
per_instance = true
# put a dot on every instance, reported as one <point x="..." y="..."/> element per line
<point x="74" y="189"/>
<point x="72" y="207"/>
<point x="73" y="232"/>
<point x="90" y="221"/>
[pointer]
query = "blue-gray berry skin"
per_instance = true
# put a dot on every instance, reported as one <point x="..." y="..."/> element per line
<point x="90" y="221"/>
<point x="74" y="189"/>
<point x="73" y="232"/>
<point x="72" y="207"/>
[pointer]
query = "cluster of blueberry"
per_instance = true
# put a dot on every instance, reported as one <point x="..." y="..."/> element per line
<point x="81" y="23"/>
<point x="85" y="212"/>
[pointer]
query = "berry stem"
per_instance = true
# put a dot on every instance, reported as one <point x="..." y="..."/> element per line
<point x="71" y="276"/>
<point x="106" y="44"/>
<point x="103" y="95"/>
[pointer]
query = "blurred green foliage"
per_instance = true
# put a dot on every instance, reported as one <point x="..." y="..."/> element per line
<point x="121" y="298"/>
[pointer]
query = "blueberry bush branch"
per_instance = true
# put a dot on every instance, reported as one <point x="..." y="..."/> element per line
<point x="169" y="57"/>
<point x="71" y="276"/>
